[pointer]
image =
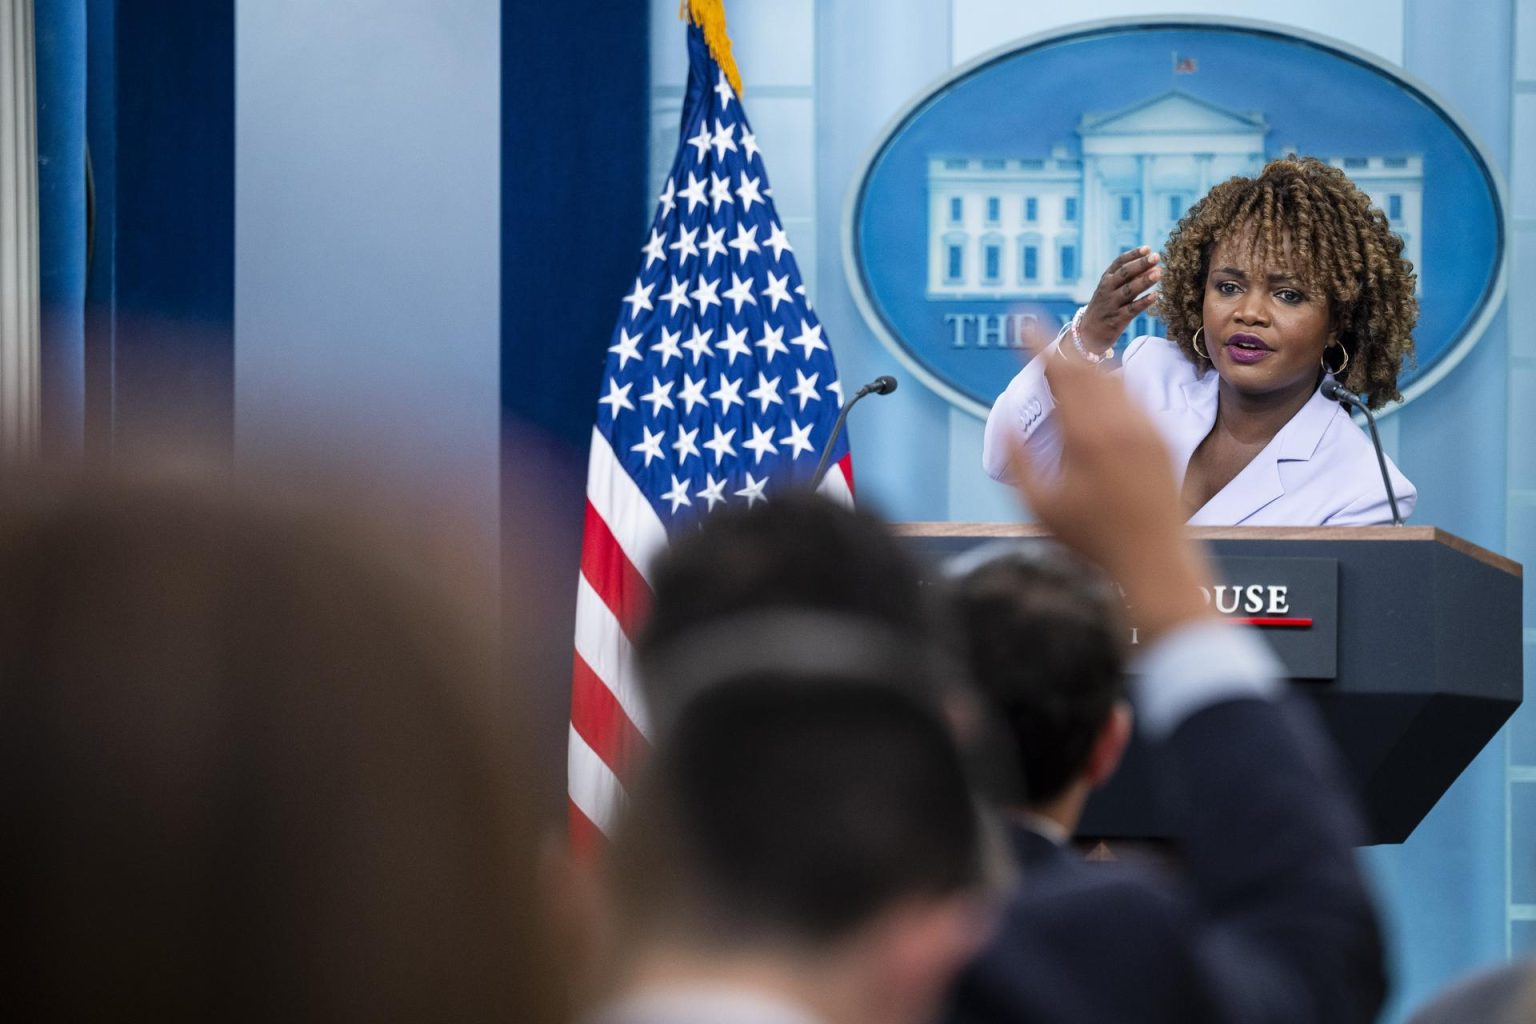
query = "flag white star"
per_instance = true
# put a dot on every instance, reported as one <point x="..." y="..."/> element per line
<point x="693" y="392"/>
<point x="725" y="139"/>
<point x="772" y="342"/>
<point x="745" y="241"/>
<point x="740" y="292"/>
<point x="705" y="295"/>
<point x="713" y="491"/>
<point x="685" y="245"/>
<point x="698" y="344"/>
<point x="618" y="396"/>
<point x="766" y="392"/>
<point x="719" y="191"/>
<point x="720" y="444"/>
<point x="778" y="241"/>
<point x="677" y="295"/>
<point x="809" y="339"/>
<point x="649" y="446"/>
<point x="694" y="193"/>
<point x="799" y="438"/>
<point x="653" y="247"/>
<point x="805" y="388"/>
<point x="714" y="243"/>
<point x="723" y="90"/>
<point x="761" y="443"/>
<point x="660" y="395"/>
<point x="668" y="198"/>
<point x="727" y="394"/>
<point x="667" y="346"/>
<point x="734" y="343"/>
<point x="778" y="290"/>
<point x="748" y="144"/>
<point x="685" y="446"/>
<point x="640" y="298"/>
<point x="747" y="192"/>
<point x="753" y="492"/>
<point x="628" y="347"/>
<point x="678" y="495"/>
<point x="836" y="387"/>
<point x="700" y="142"/>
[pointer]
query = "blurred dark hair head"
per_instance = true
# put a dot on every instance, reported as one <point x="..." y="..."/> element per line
<point x="1046" y="639"/>
<point x="251" y="771"/>
<point x="794" y="811"/>
<point x="798" y="586"/>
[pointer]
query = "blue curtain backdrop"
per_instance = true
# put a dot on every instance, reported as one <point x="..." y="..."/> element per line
<point x="575" y="117"/>
<point x="61" y="87"/>
<point x="143" y="331"/>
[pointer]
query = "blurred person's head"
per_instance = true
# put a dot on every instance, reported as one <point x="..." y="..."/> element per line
<point x="813" y="837"/>
<point x="1046" y="638"/>
<point x="251" y="771"/>
<point x="804" y="824"/>
<point x="796" y="585"/>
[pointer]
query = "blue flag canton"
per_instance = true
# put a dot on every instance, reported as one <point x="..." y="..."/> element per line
<point x="719" y="385"/>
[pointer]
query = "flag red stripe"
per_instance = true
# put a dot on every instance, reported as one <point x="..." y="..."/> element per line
<point x="599" y="719"/>
<point x="611" y="573"/>
<point x="846" y="465"/>
<point x="586" y="838"/>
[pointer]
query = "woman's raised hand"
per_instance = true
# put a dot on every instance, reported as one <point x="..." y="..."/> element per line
<point x="1119" y="298"/>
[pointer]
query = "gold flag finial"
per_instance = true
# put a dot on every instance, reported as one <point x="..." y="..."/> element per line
<point x="709" y="15"/>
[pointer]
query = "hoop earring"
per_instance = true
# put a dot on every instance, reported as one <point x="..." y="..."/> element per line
<point x="1194" y="343"/>
<point x="1342" y="366"/>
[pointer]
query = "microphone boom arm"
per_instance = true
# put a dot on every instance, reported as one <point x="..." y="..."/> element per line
<point x="1336" y="391"/>
<point x="882" y="385"/>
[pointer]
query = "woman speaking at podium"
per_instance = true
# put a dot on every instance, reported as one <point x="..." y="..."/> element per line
<point x="1271" y="286"/>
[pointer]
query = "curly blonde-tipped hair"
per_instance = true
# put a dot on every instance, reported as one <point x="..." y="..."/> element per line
<point x="1338" y="243"/>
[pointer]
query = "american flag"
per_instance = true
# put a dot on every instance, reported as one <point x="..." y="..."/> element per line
<point x="719" y="389"/>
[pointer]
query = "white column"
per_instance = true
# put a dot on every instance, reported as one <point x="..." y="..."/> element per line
<point x="19" y="296"/>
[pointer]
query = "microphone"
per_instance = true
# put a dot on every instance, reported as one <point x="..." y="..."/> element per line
<point x="881" y="385"/>
<point x="1337" y="392"/>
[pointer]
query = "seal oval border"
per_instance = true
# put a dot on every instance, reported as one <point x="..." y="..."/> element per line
<point x="1488" y="304"/>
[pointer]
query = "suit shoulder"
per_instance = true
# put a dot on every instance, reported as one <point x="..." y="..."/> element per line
<point x="1150" y="353"/>
<point x="1346" y="455"/>
<point x="1156" y="370"/>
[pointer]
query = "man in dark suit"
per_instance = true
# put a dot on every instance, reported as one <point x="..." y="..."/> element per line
<point x="1269" y="919"/>
<point x="1045" y="642"/>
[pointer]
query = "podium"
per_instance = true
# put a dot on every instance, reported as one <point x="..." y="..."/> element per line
<point x="1407" y="639"/>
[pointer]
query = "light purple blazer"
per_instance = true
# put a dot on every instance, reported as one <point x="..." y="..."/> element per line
<point x="1320" y="470"/>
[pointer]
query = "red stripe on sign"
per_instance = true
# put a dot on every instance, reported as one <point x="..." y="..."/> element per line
<point x="612" y="574"/>
<point x="598" y="718"/>
<point x="587" y="840"/>
<point x="1276" y="623"/>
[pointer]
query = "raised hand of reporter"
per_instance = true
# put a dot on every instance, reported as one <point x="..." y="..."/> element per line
<point x="1115" y="500"/>
<point x="1121" y="296"/>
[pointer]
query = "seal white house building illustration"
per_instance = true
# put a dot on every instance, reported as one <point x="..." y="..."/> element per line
<point x="1043" y="228"/>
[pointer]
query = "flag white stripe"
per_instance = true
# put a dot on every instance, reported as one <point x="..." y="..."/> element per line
<point x="604" y="647"/>
<point x="593" y="787"/>
<point x="623" y="506"/>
